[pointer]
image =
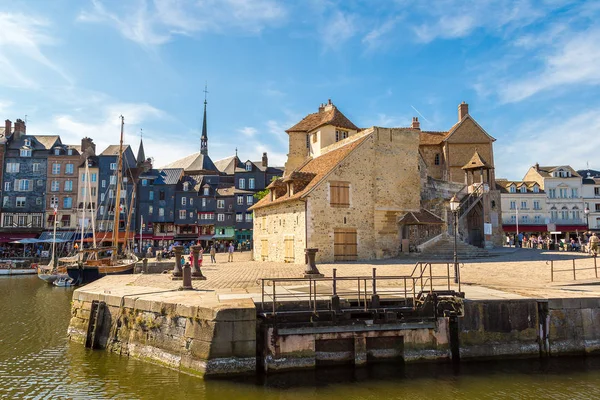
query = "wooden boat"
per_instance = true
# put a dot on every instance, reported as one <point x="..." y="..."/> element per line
<point x="11" y="267"/>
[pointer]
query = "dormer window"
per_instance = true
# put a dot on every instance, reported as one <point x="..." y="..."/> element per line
<point x="25" y="153"/>
<point x="206" y="191"/>
<point x="340" y="135"/>
<point x="513" y="189"/>
<point x="536" y="189"/>
<point x="28" y="142"/>
<point x="436" y="160"/>
<point x="248" y="166"/>
<point x="57" y="152"/>
<point x="70" y="152"/>
<point x="523" y="189"/>
<point x="186" y="186"/>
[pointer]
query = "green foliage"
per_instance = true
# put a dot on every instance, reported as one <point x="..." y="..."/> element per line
<point x="263" y="193"/>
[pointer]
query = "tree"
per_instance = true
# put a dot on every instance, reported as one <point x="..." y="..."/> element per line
<point x="259" y="195"/>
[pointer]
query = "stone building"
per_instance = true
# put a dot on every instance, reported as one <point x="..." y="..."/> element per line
<point x="523" y="207"/>
<point x="591" y="197"/>
<point x="370" y="193"/>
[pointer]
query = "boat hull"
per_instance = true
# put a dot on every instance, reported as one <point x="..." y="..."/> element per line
<point x="87" y="274"/>
<point x="18" y="271"/>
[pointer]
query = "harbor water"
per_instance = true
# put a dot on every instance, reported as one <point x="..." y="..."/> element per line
<point x="37" y="361"/>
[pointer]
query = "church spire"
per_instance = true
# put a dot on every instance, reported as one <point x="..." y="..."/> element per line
<point x="141" y="156"/>
<point x="204" y="137"/>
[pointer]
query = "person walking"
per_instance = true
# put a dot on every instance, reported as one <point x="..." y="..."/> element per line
<point x="230" y="250"/>
<point x="594" y="244"/>
<point x="213" y="251"/>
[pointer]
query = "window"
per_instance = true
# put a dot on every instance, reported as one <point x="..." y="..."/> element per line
<point x="27" y="142"/>
<point x="251" y="183"/>
<point x="537" y="219"/>
<point x="597" y="191"/>
<point x="240" y="200"/>
<point x="161" y="195"/>
<point x="220" y="203"/>
<point x="102" y="196"/>
<point x="20" y="202"/>
<point x="249" y="199"/>
<point x="574" y="193"/>
<point x="513" y="189"/>
<point x="161" y="212"/>
<point x="183" y="201"/>
<point x="70" y="152"/>
<point x="38" y="201"/>
<point x="525" y="219"/>
<point x="67" y="202"/>
<point x="239" y="217"/>
<point x="150" y="210"/>
<point x="151" y="195"/>
<point x="203" y="202"/>
<point x="82" y="177"/>
<point x="564" y="213"/>
<point x="524" y="205"/>
<point x="40" y="182"/>
<point x="242" y="183"/>
<point x="552" y="193"/>
<point x="182" y="214"/>
<point x="248" y="166"/>
<point x="55" y="169"/>
<point x="248" y="217"/>
<point x="8" y="220"/>
<point x="523" y="189"/>
<point x="314" y="137"/>
<point x="536" y="204"/>
<point x="191" y="201"/>
<point x="339" y="194"/>
<point x="207" y="216"/>
<point x="513" y="219"/>
<point x="69" y="169"/>
<point x="7" y="186"/>
<point x="113" y="166"/>
<point x="22" y="220"/>
<point x="101" y="211"/>
<point x="513" y="205"/>
<point x="206" y="191"/>
<point x="536" y="189"/>
<point x="597" y="206"/>
<point x="12" y="167"/>
<point x="94" y="192"/>
<point x="340" y="135"/>
<point x="103" y="183"/>
<point x="307" y="141"/>
<point x="111" y="194"/>
<point x="186" y="186"/>
<point x="55" y="186"/>
<point x="57" y="152"/>
<point x="221" y="217"/>
<point x="563" y="193"/>
<point x="113" y="180"/>
<point x="24" y="185"/>
<point x="144" y="182"/>
<point x="436" y="160"/>
<point x="25" y="153"/>
<point x="94" y="177"/>
<point x="553" y="213"/>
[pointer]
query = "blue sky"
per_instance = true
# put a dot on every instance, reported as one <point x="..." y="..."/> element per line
<point x="530" y="71"/>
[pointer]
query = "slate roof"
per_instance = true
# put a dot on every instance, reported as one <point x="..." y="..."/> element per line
<point x="113" y="150"/>
<point x="332" y="116"/>
<point x="503" y="186"/>
<point x="588" y="174"/>
<point x="38" y="142"/>
<point x="228" y="165"/>
<point x="423" y="217"/>
<point x="168" y="176"/>
<point x="194" y="162"/>
<point x="226" y="191"/>
<point x="320" y="167"/>
<point x="547" y="171"/>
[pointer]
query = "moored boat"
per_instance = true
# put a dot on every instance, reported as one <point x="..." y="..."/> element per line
<point x="11" y="267"/>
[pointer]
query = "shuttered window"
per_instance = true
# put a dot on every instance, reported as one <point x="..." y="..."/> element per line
<point x="264" y="248"/>
<point x="289" y="249"/>
<point x="345" y="245"/>
<point x="339" y="194"/>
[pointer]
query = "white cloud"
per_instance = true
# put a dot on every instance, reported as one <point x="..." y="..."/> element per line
<point x="248" y="131"/>
<point x="154" y="23"/>
<point x="337" y="29"/>
<point x="23" y="42"/>
<point x="376" y="38"/>
<point x="551" y="141"/>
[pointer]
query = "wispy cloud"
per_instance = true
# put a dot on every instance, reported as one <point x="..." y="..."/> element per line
<point x="248" y="131"/>
<point x="21" y="50"/>
<point x="155" y="23"/>
<point x="378" y="36"/>
<point x="337" y="29"/>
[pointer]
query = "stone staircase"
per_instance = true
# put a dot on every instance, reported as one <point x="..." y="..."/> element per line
<point x="442" y="247"/>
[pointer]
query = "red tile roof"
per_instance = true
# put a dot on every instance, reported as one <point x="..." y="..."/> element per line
<point x="333" y="116"/>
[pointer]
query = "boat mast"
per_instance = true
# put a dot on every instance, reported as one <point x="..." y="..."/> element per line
<point x="129" y="212"/>
<point x="92" y="210"/>
<point x="54" y="258"/>
<point x="118" y="199"/>
<point x="83" y="208"/>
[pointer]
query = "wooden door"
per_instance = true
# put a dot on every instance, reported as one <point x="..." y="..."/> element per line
<point x="345" y="245"/>
<point x="264" y="249"/>
<point x="289" y="249"/>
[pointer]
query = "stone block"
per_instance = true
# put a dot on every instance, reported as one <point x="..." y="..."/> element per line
<point x="198" y="329"/>
<point x="143" y="304"/>
<point x="246" y="312"/>
<point x="200" y="349"/>
<point x="244" y="330"/>
<point x="221" y="349"/>
<point x="591" y="303"/>
<point x="244" y="348"/>
<point x="186" y="310"/>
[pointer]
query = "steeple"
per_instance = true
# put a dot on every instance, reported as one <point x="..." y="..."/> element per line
<point x="141" y="156"/>
<point x="204" y="137"/>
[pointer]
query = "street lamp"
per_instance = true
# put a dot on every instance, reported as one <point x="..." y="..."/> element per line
<point x="586" y="211"/>
<point x="454" y="206"/>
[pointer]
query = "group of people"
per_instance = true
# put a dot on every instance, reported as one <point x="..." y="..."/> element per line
<point x="546" y="243"/>
<point x="168" y="251"/>
<point x="529" y="241"/>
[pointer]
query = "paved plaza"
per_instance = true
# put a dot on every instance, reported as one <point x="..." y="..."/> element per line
<point x="511" y="273"/>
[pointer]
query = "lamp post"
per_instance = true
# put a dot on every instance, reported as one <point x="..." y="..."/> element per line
<point x="586" y="211"/>
<point x="454" y="206"/>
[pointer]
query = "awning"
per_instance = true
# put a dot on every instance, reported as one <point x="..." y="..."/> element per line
<point x="11" y="237"/>
<point x="525" y="228"/>
<point x="62" y="235"/>
<point x="224" y="236"/>
<point x="571" y="228"/>
<point x="167" y="237"/>
<point x="108" y="237"/>
<point x="205" y="237"/>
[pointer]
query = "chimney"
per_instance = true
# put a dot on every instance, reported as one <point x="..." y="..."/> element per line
<point x="329" y="105"/>
<point x="463" y="110"/>
<point x="88" y="147"/>
<point x="321" y="107"/>
<point x="415" y="123"/>
<point x="19" y="129"/>
<point x="265" y="160"/>
<point x="537" y="167"/>
<point x="7" y="128"/>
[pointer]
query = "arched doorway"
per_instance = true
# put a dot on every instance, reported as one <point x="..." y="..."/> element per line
<point x="475" y="225"/>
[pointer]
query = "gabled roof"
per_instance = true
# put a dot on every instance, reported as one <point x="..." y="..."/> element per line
<point x="47" y="141"/>
<point x="423" y="217"/>
<point x="588" y="173"/>
<point x="194" y="163"/>
<point x="331" y="116"/>
<point x="427" y="138"/>
<point x="547" y="171"/>
<point x="457" y="125"/>
<point x="168" y="176"/>
<point x="504" y="185"/>
<point x="476" y="162"/>
<point x="113" y="150"/>
<point x="228" y="165"/>
<point x="319" y="167"/>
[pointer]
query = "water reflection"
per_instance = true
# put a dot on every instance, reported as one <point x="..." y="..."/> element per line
<point x="37" y="361"/>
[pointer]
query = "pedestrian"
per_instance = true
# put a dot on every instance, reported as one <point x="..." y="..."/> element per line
<point x="507" y="241"/>
<point x="213" y="251"/>
<point x="520" y="238"/>
<point x="231" y="250"/>
<point x="594" y="244"/>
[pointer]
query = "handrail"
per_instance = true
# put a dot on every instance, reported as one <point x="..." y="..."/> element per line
<point x="573" y="269"/>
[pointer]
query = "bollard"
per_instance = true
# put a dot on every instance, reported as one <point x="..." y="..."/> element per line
<point x="595" y="267"/>
<point x="574" y="278"/>
<point x="335" y="299"/>
<point x="196" y="271"/>
<point x="178" y="255"/>
<point x="187" y="277"/>
<point x="375" y="296"/>
<point x="145" y="266"/>
<point x="311" y="270"/>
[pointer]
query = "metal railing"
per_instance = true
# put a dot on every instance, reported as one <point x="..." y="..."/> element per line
<point x="573" y="268"/>
<point x="359" y="292"/>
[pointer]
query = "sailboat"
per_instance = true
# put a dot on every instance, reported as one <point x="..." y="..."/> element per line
<point x="50" y="272"/>
<point x="96" y="262"/>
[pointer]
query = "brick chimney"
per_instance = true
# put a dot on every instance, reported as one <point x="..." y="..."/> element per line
<point x="265" y="160"/>
<point x="415" y="123"/>
<point x="463" y="110"/>
<point x="7" y="127"/>
<point x="329" y="105"/>
<point x="321" y="107"/>
<point x="537" y="167"/>
<point x="20" y="129"/>
<point x="88" y="147"/>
